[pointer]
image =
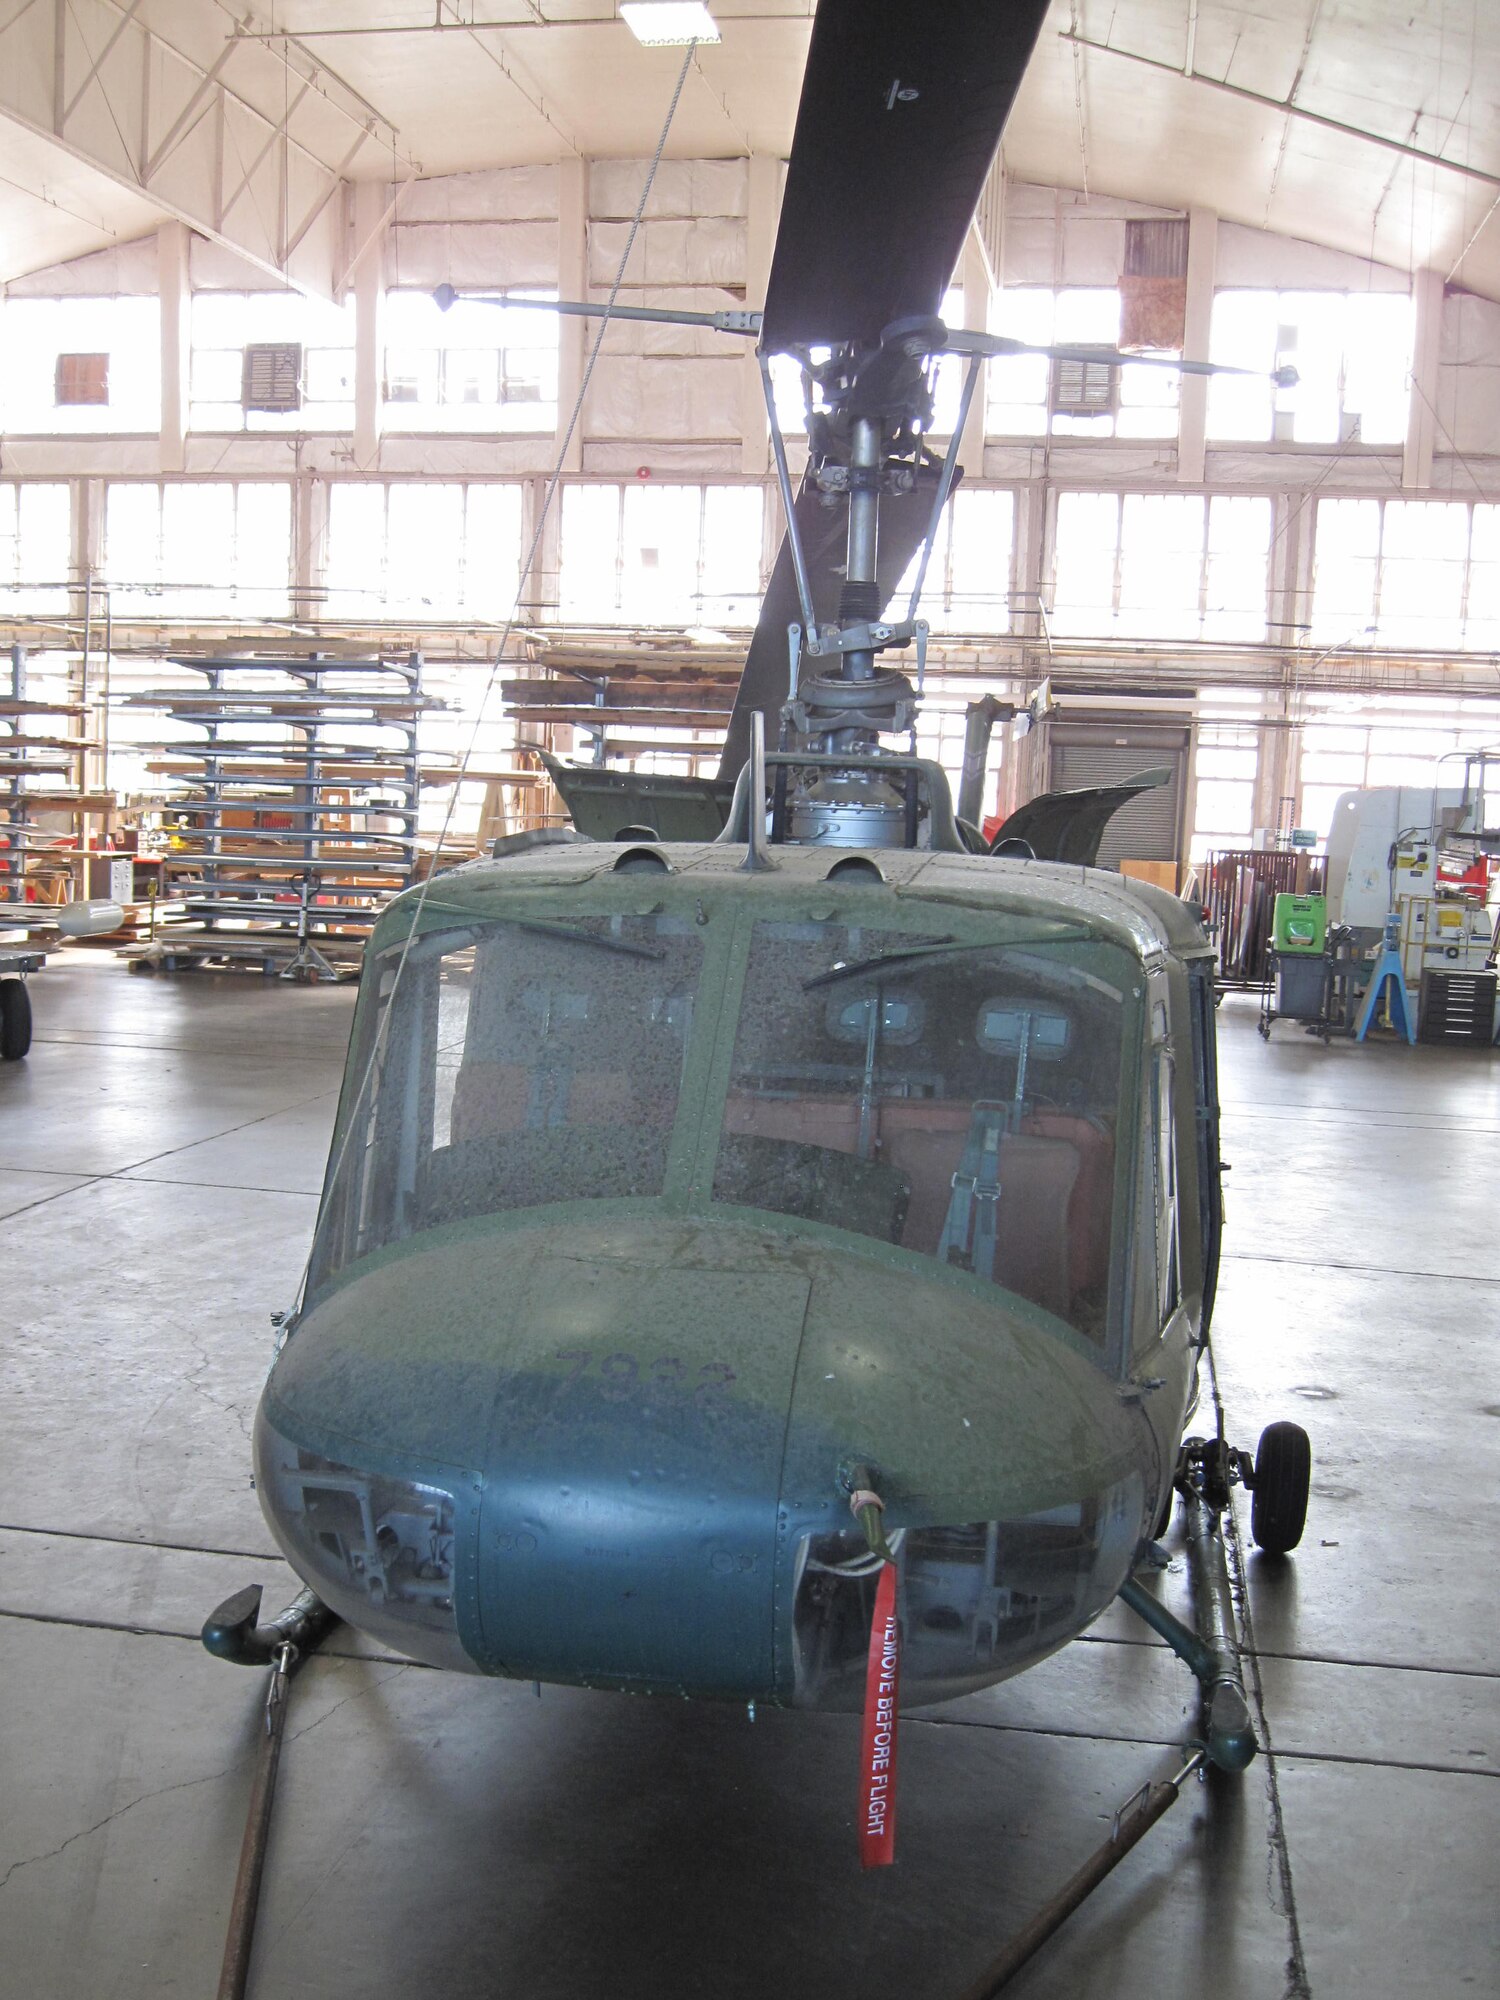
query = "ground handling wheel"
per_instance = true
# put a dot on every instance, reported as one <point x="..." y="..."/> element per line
<point x="15" y="1019"/>
<point x="1283" y="1472"/>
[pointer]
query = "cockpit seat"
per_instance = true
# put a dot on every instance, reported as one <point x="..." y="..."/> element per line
<point x="493" y="1097"/>
<point x="1032" y="1234"/>
<point x="1091" y="1204"/>
<point x="926" y="1142"/>
<point x="830" y="1122"/>
<point x="1052" y="1221"/>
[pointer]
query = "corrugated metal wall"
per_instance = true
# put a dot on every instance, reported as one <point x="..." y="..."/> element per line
<point x="1150" y="827"/>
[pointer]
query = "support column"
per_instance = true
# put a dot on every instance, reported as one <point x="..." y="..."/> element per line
<point x="1189" y="801"/>
<point x="762" y="208"/>
<point x="1421" y="421"/>
<point x="572" y="283"/>
<point x="367" y="277"/>
<point x="175" y="287"/>
<point x="309" y="544"/>
<point x="1273" y="760"/>
<point x="539" y="592"/>
<point x="1030" y="568"/>
<point x="85" y="536"/>
<point x="1192" y="409"/>
<point x="1283" y="578"/>
<point x="86" y="604"/>
<point x="974" y="271"/>
<point x="539" y="588"/>
<point x="1294" y="567"/>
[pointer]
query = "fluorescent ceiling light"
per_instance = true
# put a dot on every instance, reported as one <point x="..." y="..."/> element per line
<point x="669" y="24"/>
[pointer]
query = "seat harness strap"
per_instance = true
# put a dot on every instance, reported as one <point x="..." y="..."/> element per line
<point x="968" y="1238"/>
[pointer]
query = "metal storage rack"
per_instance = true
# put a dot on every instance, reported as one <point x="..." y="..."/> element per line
<point x="298" y="818"/>
<point x="1242" y="887"/>
<point x="41" y="770"/>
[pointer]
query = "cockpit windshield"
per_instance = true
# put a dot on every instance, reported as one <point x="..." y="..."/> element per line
<point x="512" y="1063"/>
<point x="957" y="1100"/>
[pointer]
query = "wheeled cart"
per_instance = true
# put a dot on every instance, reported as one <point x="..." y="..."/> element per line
<point x="16" y="961"/>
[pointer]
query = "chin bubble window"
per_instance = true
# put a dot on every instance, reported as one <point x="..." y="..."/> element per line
<point x="378" y="1550"/>
<point x="977" y="1602"/>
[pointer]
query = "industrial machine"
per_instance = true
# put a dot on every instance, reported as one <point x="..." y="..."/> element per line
<point x="1425" y="854"/>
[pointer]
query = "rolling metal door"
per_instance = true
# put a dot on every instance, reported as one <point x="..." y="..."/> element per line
<point x="1148" y="829"/>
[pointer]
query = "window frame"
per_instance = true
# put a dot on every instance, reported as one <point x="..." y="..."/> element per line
<point x="377" y="602"/>
<point x="1108" y="625"/>
<point x="1318" y="630"/>
<point x="579" y="610"/>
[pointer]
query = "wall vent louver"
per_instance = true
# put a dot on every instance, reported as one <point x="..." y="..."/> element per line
<point x="1083" y="388"/>
<point x="271" y="378"/>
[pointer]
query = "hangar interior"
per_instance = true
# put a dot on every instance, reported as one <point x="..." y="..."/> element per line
<point x="304" y="577"/>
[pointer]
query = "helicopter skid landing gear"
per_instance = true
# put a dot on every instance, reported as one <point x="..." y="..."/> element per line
<point x="1207" y="1470"/>
<point x="1212" y="1651"/>
<point x="232" y="1633"/>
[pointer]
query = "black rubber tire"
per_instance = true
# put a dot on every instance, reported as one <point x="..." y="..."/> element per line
<point x="1283" y="1473"/>
<point x="15" y="1019"/>
<point x="1164" y="1519"/>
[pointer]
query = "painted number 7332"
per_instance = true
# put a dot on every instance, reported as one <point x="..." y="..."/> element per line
<point x="659" y="1377"/>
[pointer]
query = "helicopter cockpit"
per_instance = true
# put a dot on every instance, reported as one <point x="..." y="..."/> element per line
<point x="954" y="1099"/>
<point x="524" y="1062"/>
<point x="959" y="1100"/>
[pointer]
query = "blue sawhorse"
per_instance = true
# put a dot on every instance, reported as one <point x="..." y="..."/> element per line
<point x="1388" y="975"/>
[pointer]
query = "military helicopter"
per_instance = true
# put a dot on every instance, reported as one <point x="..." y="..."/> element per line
<point x="715" y="1226"/>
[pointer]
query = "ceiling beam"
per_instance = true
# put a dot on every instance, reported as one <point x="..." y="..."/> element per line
<point x="173" y="122"/>
<point x="1284" y="107"/>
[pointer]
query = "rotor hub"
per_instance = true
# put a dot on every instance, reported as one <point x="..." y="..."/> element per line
<point x="857" y="808"/>
<point x="837" y="712"/>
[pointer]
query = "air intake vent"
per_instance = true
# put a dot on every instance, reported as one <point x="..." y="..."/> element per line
<point x="271" y="378"/>
<point x="1083" y="388"/>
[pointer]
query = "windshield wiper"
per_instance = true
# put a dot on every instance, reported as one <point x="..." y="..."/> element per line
<point x="935" y="949"/>
<point x="885" y="958"/>
<point x="586" y="937"/>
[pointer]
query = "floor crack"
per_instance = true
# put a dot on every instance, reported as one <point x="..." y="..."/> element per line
<point x="359" y="1694"/>
<point x="187" y="1784"/>
<point x="183" y="1785"/>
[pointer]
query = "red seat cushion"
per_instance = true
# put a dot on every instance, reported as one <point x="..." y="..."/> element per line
<point x="1091" y="1204"/>
<point x="830" y="1122"/>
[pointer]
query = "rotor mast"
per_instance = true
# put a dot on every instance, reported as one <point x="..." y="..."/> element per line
<point x="860" y="598"/>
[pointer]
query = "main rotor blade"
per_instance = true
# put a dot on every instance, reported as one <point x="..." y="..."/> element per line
<point x="825" y="541"/>
<point x="903" y="103"/>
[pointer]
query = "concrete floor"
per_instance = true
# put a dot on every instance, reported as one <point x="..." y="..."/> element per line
<point x="160" y="1153"/>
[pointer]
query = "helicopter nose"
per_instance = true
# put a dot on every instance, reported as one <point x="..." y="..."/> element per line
<point x="554" y="1455"/>
<point x="628" y="1526"/>
<point x="376" y="1540"/>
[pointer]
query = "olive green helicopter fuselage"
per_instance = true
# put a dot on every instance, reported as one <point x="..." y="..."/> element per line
<point x="666" y="1192"/>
